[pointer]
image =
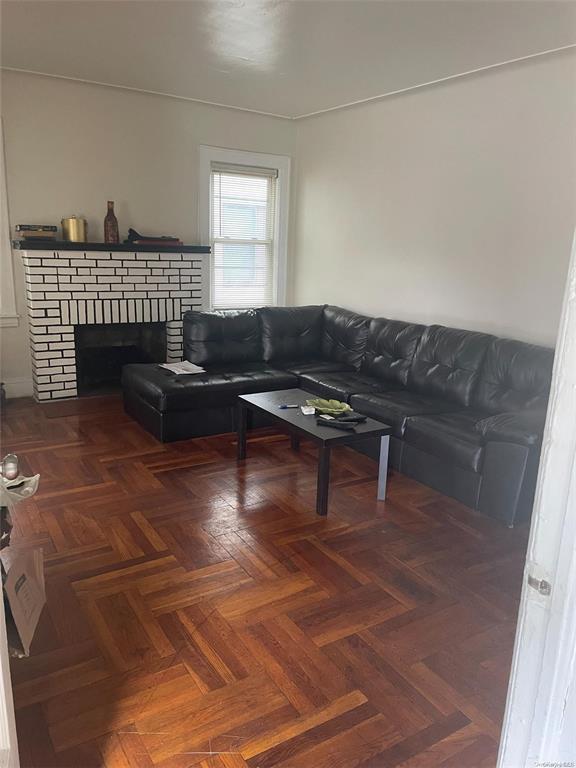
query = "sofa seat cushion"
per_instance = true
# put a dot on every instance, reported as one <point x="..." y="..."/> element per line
<point x="452" y="437"/>
<point x="341" y="385"/>
<point x="167" y="392"/>
<point x="315" y="365"/>
<point x="395" y="408"/>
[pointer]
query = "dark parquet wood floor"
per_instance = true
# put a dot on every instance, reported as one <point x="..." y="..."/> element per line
<point x="200" y="614"/>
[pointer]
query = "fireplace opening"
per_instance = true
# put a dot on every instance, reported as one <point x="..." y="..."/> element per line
<point x="102" y="350"/>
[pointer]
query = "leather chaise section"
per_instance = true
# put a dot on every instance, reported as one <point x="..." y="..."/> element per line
<point x="167" y="392"/>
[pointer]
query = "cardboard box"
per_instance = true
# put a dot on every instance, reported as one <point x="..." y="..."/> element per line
<point x="25" y="594"/>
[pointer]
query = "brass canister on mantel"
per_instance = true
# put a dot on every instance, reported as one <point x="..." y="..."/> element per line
<point x="75" y="229"/>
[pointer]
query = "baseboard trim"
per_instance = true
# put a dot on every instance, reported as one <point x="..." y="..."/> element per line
<point x="22" y="387"/>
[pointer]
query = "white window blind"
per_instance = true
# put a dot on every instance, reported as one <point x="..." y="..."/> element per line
<point x="242" y="226"/>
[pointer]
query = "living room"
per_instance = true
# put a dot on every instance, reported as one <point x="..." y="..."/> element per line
<point x="282" y="287"/>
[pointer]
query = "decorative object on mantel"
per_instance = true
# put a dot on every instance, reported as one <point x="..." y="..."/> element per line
<point x="111" y="234"/>
<point x="36" y="231"/>
<point x="138" y="239"/>
<point x="75" y="229"/>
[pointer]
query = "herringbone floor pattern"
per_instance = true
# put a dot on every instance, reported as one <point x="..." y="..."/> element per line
<point x="200" y="614"/>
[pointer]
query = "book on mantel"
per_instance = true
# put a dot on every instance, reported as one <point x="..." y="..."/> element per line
<point x="36" y="236"/>
<point x="36" y="231"/>
<point x="36" y="228"/>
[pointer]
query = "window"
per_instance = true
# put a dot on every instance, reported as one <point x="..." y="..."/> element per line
<point x="245" y="220"/>
<point x="242" y="218"/>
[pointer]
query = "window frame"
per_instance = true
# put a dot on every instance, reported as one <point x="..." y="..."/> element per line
<point x="281" y="164"/>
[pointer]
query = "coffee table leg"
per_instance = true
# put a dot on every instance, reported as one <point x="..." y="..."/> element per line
<point x="242" y="426"/>
<point x="323" y="480"/>
<point x="383" y="467"/>
<point x="294" y="441"/>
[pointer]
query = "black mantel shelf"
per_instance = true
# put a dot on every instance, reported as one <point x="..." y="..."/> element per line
<point x="65" y="245"/>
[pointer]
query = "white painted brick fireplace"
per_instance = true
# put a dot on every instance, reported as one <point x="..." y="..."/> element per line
<point x="66" y="288"/>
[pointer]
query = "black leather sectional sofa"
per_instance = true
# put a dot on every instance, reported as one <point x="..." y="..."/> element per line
<point x="467" y="408"/>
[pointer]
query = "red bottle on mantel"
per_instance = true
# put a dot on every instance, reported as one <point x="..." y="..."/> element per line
<point x="111" y="234"/>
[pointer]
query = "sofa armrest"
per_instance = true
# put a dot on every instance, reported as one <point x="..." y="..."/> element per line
<point x="521" y="427"/>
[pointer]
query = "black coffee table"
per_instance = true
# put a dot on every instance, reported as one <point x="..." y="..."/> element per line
<point x="293" y="421"/>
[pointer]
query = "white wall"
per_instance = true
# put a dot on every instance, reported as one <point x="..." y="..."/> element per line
<point x="452" y="204"/>
<point x="70" y="147"/>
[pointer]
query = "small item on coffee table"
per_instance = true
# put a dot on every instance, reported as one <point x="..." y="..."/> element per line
<point x="332" y="407"/>
<point x="284" y="406"/>
<point x="352" y="418"/>
<point x="324" y="421"/>
<point x="308" y="410"/>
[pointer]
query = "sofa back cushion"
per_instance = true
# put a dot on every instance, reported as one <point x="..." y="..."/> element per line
<point x="291" y="333"/>
<point x="447" y="362"/>
<point x="390" y="348"/>
<point x="514" y="376"/>
<point x="344" y="337"/>
<point x="214" y="338"/>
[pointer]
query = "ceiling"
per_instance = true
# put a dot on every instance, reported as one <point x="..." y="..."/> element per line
<point x="289" y="58"/>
